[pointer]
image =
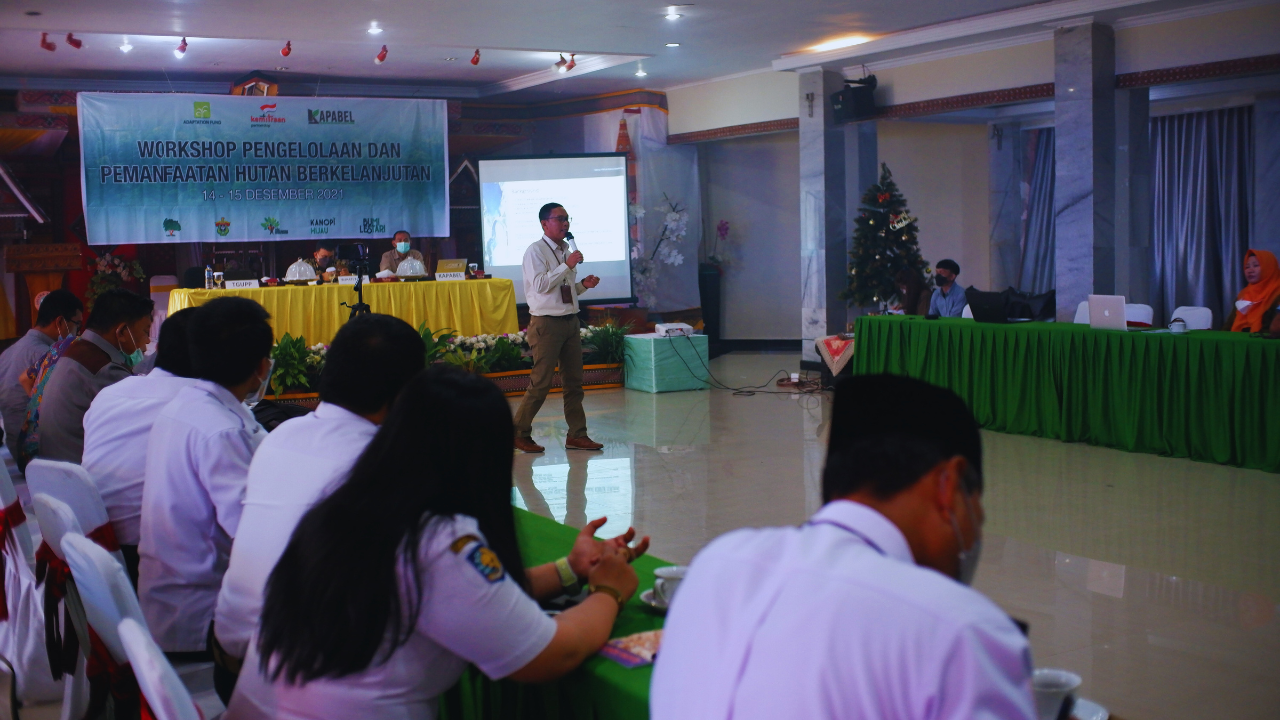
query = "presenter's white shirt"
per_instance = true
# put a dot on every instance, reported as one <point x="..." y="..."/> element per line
<point x="116" y="429"/>
<point x="469" y="614"/>
<point x="299" y="463"/>
<point x="834" y="619"/>
<point x="197" y="462"/>
<point x="544" y="272"/>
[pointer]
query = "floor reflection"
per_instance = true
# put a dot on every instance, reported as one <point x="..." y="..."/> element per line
<point x="1156" y="579"/>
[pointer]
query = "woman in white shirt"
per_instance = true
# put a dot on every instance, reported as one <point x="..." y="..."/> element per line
<point x="355" y="624"/>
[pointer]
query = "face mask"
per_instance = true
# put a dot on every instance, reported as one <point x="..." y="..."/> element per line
<point x="968" y="558"/>
<point x="135" y="357"/>
<point x="941" y="281"/>
<point x="402" y="248"/>
<point x="257" y="395"/>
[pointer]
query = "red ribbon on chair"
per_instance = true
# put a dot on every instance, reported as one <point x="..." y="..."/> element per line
<point x="54" y="572"/>
<point x="105" y="535"/>
<point x="108" y="678"/>
<point x="10" y="518"/>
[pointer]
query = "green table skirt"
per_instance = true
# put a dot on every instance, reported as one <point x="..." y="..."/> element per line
<point x="1207" y="395"/>
<point x="600" y="689"/>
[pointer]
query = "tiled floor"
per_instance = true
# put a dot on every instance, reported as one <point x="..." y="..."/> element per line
<point x="1155" y="579"/>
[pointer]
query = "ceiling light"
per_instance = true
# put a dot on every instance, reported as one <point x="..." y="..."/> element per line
<point x="281" y="69"/>
<point x="671" y="13"/>
<point x="838" y="43"/>
<point x="475" y="59"/>
<point x="74" y="41"/>
<point x="559" y="64"/>
<point x="640" y="72"/>
<point x="381" y="57"/>
<point x="573" y="63"/>
<point x="33" y="13"/>
<point x="450" y="59"/>
<point x="44" y="42"/>
<point x="288" y="48"/>
<point x="673" y="44"/>
<point x="181" y="50"/>
<point x="373" y="28"/>
<point x="126" y="47"/>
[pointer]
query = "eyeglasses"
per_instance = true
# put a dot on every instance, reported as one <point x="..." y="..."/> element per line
<point x="561" y="218"/>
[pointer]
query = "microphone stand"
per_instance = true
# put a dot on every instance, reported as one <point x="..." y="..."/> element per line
<point x="361" y="267"/>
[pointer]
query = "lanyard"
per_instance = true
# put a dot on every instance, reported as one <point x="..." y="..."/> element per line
<point x="554" y="249"/>
<point x="870" y="543"/>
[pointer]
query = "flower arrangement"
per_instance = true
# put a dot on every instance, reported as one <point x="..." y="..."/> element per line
<point x="297" y="364"/>
<point x="645" y="265"/>
<point x="111" y="271"/>
<point x="718" y="253"/>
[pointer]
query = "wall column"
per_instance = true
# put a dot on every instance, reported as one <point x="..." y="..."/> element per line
<point x="1084" y="155"/>
<point x="1266" y="173"/>
<point x="1004" y="203"/>
<point x="823" y="230"/>
<point x="1133" y="195"/>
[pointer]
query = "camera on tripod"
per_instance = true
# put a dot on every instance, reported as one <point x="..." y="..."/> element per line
<point x="357" y="257"/>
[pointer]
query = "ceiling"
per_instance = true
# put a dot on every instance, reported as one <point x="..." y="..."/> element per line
<point x="518" y="41"/>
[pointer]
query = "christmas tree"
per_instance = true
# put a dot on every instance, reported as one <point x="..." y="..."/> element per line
<point x="884" y="243"/>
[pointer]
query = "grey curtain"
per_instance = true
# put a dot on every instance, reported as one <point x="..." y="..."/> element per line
<point x="1203" y="191"/>
<point x="1035" y="272"/>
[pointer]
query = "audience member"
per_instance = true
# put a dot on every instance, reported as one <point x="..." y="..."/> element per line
<point x="118" y="425"/>
<point x="198" y="457"/>
<point x="864" y="611"/>
<point x="948" y="297"/>
<point x="59" y="316"/>
<point x="116" y="334"/>
<point x="370" y="360"/>
<point x="410" y="569"/>
<point x="399" y="252"/>
<point x="1259" y="296"/>
<point x="913" y="294"/>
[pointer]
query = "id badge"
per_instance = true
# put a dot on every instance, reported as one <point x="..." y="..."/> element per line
<point x="566" y="295"/>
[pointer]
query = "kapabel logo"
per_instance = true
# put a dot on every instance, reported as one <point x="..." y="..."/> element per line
<point x="330" y="117"/>
<point x="266" y="115"/>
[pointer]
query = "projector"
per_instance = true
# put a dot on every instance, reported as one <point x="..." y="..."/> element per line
<point x="672" y="329"/>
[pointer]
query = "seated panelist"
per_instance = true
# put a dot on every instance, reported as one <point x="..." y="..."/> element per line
<point x="398" y="253"/>
<point x="325" y="257"/>
<point x="1259" y="297"/>
<point x="948" y="297"/>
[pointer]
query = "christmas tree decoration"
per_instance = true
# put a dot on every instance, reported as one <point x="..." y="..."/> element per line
<point x="878" y="255"/>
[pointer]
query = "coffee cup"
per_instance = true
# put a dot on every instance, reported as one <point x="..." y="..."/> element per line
<point x="1178" y="326"/>
<point x="1051" y="688"/>
<point x="219" y="281"/>
<point x="666" y="580"/>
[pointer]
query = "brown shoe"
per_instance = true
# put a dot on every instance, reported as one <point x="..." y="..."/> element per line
<point x="528" y="445"/>
<point x="582" y="443"/>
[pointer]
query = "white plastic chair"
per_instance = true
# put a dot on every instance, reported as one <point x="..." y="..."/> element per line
<point x="161" y="286"/>
<point x="966" y="313"/>
<point x="71" y="484"/>
<point x="57" y="520"/>
<point x="22" y="634"/>
<point x="1197" y="318"/>
<point x="1137" y="312"/>
<point x="1082" y="313"/>
<point x="159" y="683"/>
<point x="104" y="590"/>
<point x="22" y="531"/>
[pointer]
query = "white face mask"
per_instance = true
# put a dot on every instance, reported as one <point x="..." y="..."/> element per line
<point x="257" y="395"/>
<point x="968" y="558"/>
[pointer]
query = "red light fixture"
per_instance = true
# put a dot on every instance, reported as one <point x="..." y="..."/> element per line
<point x="181" y="50"/>
<point x="573" y="63"/>
<point x="288" y="48"/>
<point x="475" y="59"/>
<point x="559" y="64"/>
<point x="381" y="57"/>
<point x="74" y="41"/>
<point x="44" y="42"/>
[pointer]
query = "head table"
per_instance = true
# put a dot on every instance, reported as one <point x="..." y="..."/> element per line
<point x="467" y="307"/>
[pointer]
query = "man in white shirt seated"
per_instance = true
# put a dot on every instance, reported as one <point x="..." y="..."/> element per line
<point x="118" y="425"/>
<point x="370" y="360"/>
<point x="197" y="461"/>
<point x="864" y="611"/>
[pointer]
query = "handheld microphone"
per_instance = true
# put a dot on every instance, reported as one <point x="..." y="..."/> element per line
<point x="573" y="246"/>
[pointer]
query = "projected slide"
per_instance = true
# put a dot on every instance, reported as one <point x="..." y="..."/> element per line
<point x="593" y="189"/>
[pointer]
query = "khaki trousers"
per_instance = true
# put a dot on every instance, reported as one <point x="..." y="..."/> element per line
<point x="554" y="340"/>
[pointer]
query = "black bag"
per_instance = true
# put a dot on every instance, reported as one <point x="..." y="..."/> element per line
<point x="270" y="414"/>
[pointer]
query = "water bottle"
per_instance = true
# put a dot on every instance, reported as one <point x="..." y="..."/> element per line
<point x="208" y="277"/>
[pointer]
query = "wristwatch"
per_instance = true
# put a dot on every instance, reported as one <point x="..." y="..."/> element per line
<point x="568" y="578"/>
<point x="617" y="596"/>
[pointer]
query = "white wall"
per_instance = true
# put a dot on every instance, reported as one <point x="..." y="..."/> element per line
<point x="758" y="97"/>
<point x="1222" y="36"/>
<point x="754" y="183"/>
<point x="1017" y="66"/>
<point x="942" y="171"/>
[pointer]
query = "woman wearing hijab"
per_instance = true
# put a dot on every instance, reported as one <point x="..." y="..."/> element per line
<point x="1262" y="272"/>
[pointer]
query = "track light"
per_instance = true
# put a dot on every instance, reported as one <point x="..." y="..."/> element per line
<point x="373" y="28"/>
<point x="181" y="50"/>
<point x="126" y="47"/>
<point x="44" y="42"/>
<point x="288" y="48"/>
<point x="74" y="41"/>
<point x="475" y="59"/>
<point x="671" y="13"/>
<point x="573" y="63"/>
<point x="673" y="44"/>
<point x="559" y="64"/>
<point x="640" y="72"/>
<point x="381" y="57"/>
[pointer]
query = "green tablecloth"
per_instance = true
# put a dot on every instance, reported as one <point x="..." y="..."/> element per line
<point x="601" y="689"/>
<point x="1207" y="395"/>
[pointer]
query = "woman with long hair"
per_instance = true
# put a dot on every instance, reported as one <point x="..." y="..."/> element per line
<point x="410" y="570"/>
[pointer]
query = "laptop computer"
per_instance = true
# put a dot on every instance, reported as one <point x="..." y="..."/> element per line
<point x="1106" y="312"/>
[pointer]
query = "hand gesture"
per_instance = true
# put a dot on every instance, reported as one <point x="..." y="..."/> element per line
<point x="613" y="571"/>
<point x="587" y="550"/>
<point x="573" y="259"/>
<point x="590" y="281"/>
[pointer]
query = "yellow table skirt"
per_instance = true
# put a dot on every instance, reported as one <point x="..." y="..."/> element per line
<point x="468" y="307"/>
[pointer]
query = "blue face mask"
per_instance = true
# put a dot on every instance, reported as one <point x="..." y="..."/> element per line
<point x="402" y="247"/>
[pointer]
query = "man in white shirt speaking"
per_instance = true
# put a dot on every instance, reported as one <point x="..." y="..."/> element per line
<point x="865" y="610"/>
<point x="370" y="360"/>
<point x="118" y="425"/>
<point x="197" y="461"/>
<point x="551" y="288"/>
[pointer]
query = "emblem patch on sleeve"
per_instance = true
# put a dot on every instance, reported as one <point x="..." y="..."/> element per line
<point x="486" y="562"/>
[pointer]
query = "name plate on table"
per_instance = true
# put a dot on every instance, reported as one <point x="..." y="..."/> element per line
<point x="350" y="279"/>
<point x="241" y="284"/>
<point x="451" y="269"/>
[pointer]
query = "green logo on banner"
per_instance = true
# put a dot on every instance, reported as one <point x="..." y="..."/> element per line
<point x="203" y="110"/>
<point x="272" y="226"/>
<point x="172" y="226"/>
<point x="223" y="227"/>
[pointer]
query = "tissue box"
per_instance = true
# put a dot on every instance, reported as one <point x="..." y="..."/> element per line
<point x="657" y="364"/>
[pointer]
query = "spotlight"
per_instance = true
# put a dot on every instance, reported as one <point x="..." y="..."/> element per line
<point x="44" y="42"/>
<point x="475" y="59"/>
<point x="288" y="48"/>
<point x="381" y="57"/>
<point x="181" y="50"/>
<point x="373" y="28"/>
<point x="559" y="64"/>
<point x="74" y="41"/>
<point x="640" y="72"/>
<point x="126" y="47"/>
<point x="572" y="62"/>
<point x="671" y="13"/>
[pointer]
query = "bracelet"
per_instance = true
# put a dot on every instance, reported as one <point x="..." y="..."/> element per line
<point x="617" y="596"/>
<point x="568" y="578"/>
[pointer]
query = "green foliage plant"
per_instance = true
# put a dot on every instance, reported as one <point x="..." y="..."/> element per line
<point x="291" y="355"/>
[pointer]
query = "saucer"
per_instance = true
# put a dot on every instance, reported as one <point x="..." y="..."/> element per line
<point x="648" y="598"/>
<point x="1089" y="710"/>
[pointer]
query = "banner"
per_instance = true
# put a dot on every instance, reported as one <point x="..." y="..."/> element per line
<point x="224" y="168"/>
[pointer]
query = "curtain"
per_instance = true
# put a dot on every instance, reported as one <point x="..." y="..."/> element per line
<point x="1035" y="272"/>
<point x="1202" y="191"/>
